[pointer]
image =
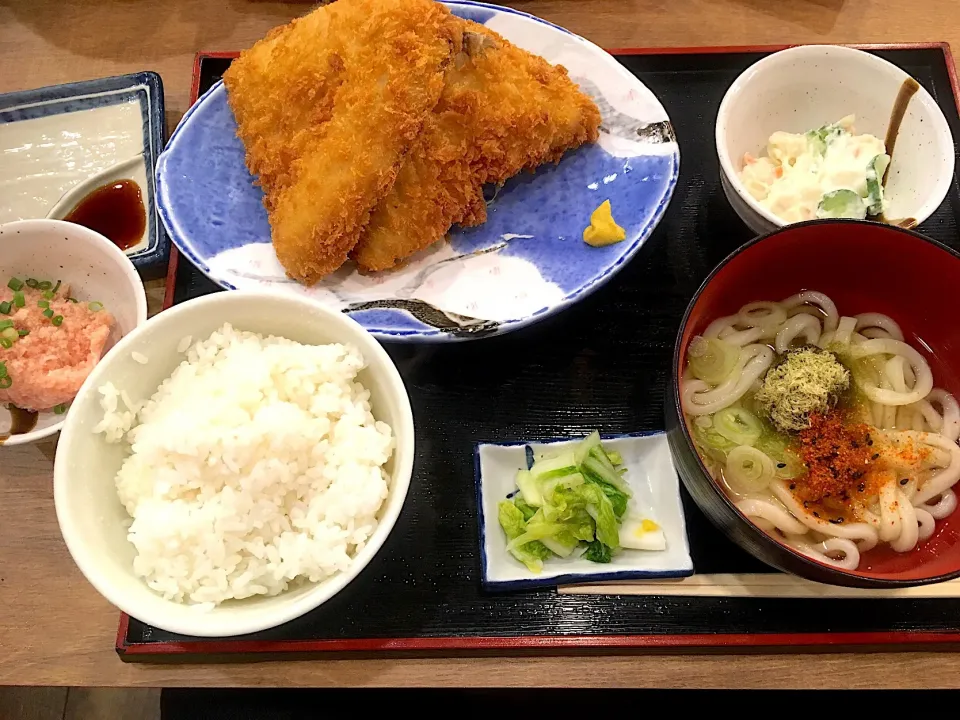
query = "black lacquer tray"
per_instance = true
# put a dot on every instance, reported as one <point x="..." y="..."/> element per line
<point x="603" y="363"/>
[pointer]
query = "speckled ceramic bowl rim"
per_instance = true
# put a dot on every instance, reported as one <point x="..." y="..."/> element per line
<point x="736" y="89"/>
<point x="756" y="533"/>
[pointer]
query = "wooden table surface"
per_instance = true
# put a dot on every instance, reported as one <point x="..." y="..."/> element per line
<point x="56" y="630"/>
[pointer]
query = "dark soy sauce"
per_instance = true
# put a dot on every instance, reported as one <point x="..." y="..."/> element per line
<point x="115" y="211"/>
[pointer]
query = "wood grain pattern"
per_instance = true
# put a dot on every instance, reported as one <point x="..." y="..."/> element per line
<point x="55" y="629"/>
<point x="112" y="704"/>
<point x="32" y="703"/>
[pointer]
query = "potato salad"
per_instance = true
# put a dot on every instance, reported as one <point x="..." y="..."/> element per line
<point x="830" y="172"/>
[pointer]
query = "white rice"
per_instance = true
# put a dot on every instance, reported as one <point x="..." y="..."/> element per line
<point x="139" y="357"/>
<point x="257" y="463"/>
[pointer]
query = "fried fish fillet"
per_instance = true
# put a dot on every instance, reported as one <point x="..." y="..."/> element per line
<point x="503" y="110"/>
<point x="327" y="107"/>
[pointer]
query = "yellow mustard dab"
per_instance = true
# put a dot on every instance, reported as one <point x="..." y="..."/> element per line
<point x="603" y="230"/>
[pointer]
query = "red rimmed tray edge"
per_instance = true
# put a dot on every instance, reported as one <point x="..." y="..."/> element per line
<point x="720" y="641"/>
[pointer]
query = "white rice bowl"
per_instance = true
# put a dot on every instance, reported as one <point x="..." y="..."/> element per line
<point x="171" y="554"/>
<point x="256" y="464"/>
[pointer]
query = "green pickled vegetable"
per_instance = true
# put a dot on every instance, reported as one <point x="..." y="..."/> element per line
<point x="598" y="552"/>
<point x="568" y="500"/>
<point x="531" y="554"/>
<point x="842" y="204"/>
<point x="712" y="360"/>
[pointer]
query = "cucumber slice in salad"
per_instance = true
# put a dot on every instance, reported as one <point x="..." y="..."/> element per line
<point x="875" y="171"/>
<point x="842" y="204"/>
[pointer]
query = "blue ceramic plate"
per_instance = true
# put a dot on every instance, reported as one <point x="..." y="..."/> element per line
<point x="656" y="496"/>
<point x="526" y="262"/>
<point x="56" y="139"/>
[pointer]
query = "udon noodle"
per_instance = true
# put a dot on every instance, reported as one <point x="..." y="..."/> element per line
<point x="876" y="464"/>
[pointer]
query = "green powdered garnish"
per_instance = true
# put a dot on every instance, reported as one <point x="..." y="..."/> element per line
<point x="809" y="380"/>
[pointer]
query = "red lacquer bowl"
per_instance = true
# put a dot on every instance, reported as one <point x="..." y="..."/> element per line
<point x="863" y="267"/>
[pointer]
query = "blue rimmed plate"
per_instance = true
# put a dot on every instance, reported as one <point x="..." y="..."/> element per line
<point x="656" y="495"/>
<point x="55" y="139"/>
<point x="526" y="262"/>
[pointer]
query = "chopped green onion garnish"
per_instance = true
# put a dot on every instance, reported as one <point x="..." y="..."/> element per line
<point x="18" y="299"/>
<point x="48" y="295"/>
<point x="96" y="306"/>
<point x="45" y="285"/>
<point x="60" y="409"/>
<point x="5" y="382"/>
<point x="5" y="324"/>
<point x="57" y="320"/>
<point x="56" y="287"/>
<point x="48" y="313"/>
<point x="6" y="343"/>
<point x="23" y="333"/>
<point x="15" y="284"/>
<point x="43" y="303"/>
<point x="3" y="369"/>
<point x="31" y="283"/>
<point x="73" y="300"/>
<point x="5" y="308"/>
<point x="10" y="334"/>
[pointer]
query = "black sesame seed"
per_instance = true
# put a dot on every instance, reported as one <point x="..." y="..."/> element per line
<point x="816" y="514"/>
<point x="793" y="486"/>
<point x="904" y="481"/>
<point x="781" y="465"/>
<point x="854" y="444"/>
<point x="861" y="487"/>
<point x="869" y="441"/>
<point x="836" y="521"/>
<point x="875" y="456"/>
<point x="806" y="504"/>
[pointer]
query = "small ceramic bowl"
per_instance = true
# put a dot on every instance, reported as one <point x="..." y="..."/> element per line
<point x="805" y="87"/>
<point x="95" y="269"/>
<point x="650" y="474"/>
<point x="94" y="523"/>
<point x="863" y="267"/>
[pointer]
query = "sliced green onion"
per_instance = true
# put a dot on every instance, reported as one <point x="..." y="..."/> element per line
<point x="23" y="333"/>
<point x="15" y="284"/>
<point x="32" y="283"/>
<point x="5" y="343"/>
<point x="10" y="334"/>
<point x="43" y="303"/>
<point x="57" y="320"/>
<point x="48" y="295"/>
<point x="45" y="285"/>
<point x="18" y="299"/>
<point x="73" y="300"/>
<point x="56" y="287"/>
<point x="60" y="409"/>
<point x="3" y="369"/>
<point x="48" y="313"/>
<point x="5" y="382"/>
<point x="749" y="470"/>
<point x="96" y="306"/>
<point x="5" y="308"/>
<point x="5" y="324"/>
<point x="738" y="425"/>
<point x="712" y="360"/>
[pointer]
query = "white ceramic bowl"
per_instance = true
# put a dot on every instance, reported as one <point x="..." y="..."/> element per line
<point x="802" y="88"/>
<point x="90" y="514"/>
<point x="95" y="268"/>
